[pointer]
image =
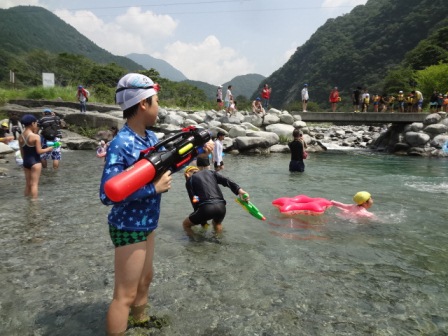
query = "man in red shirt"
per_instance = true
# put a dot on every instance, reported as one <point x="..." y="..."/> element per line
<point x="266" y="95"/>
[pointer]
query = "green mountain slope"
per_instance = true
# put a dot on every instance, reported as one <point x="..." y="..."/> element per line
<point x="165" y="69"/>
<point x="356" y="49"/>
<point x="25" y="28"/>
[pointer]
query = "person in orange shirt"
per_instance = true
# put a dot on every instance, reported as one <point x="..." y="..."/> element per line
<point x="334" y="98"/>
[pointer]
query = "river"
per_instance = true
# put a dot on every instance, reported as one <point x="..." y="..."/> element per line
<point x="320" y="275"/>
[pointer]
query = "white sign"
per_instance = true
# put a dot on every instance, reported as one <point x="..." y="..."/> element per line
<point x="47" y="79"/>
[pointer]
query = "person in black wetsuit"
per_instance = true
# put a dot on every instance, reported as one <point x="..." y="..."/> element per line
<point x="206" y="197"/>
<point x="297" y="148"/>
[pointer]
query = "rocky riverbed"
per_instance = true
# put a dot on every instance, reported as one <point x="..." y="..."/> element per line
<point x="248" y="133"/>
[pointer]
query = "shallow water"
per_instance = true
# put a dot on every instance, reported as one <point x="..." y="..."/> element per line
<point x="321" y="275"/>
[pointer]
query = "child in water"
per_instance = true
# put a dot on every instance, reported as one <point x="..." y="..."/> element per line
<point x="207" y="198"/>
<point x="363" y="201"/>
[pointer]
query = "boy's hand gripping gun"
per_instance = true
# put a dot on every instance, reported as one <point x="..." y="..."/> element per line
<point x="184" y="146"/>
<point x="250" y="208"/>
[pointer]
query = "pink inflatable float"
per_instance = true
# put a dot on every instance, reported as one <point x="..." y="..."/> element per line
<point x="301" y="205"/>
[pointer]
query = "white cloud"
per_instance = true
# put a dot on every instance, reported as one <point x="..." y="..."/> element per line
<point x="13" y="3"/>
<point x="136" y="31"/>
<point x="206" y="61"/>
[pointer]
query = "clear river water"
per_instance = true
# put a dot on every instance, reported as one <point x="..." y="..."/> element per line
<point x="320" y="275"/>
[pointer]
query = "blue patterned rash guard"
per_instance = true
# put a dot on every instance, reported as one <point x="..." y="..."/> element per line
<point x="139" y="211"/>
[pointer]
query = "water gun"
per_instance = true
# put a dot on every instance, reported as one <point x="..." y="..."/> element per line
<point x="250" y="208"/>
<point x="183" y="147"/>
<point x="54" y="144"/>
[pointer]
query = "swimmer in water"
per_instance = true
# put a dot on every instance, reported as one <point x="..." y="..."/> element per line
<point x="363" y="201"/>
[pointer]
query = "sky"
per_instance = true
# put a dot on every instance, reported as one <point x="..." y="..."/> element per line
<point x="207" y="40"/>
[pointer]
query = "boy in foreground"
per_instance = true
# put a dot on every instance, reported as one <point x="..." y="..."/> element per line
<point x="132" y="221"/>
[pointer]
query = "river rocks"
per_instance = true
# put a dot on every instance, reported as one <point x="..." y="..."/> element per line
<point x="247" y="132"/>
<point x="418" y="139"/>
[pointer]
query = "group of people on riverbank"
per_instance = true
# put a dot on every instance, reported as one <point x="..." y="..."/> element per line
<point x="363" y="101"/>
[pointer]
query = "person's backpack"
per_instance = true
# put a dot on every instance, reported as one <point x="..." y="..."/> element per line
<point x="50" y="131"/>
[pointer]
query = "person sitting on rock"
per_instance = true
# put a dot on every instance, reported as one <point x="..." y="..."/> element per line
<point x="257" y="108"/>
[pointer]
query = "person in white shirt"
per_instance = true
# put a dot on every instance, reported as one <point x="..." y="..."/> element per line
<point x="228" y="99"/>
<point x="217" y="152"/>
<point x="305" y="97"/>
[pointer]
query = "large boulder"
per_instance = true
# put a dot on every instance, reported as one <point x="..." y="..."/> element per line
<point x="174" y="119"/>
<point x="246" y="143"/>
<point x="432" y="118"/>
<point x="5" y="149"/>
<point x="270" y="137"/>
<point x="198" y="117"/>
<point x="435" y="129"/>
<point x="279" y="149"/>
<point x="416" y="139"/>
<point x="439" y="140"/>
<point x="414" y="127"/>
<point x="237" y="131"/>
<point x="299" y="124"/>
<point x="281" y="130"/>
<point x="254" y="120"/>
<point x="270" y="119"/>
<point x="286" y="118"/>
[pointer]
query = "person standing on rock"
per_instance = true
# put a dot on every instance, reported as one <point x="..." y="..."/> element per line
<point x="83" y="97"/>
<point x="228" y="99"/>
<point x="50" y="125"/>
<point x="266" y="96"/>
<point x="219" y="97"/>
<point x="305" y="97"/>
<point x="334" y="98"/>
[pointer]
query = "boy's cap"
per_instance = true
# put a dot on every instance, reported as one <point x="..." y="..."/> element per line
<point x="47" y="111"/>
<point x="133" y="88"/>
<point x="305" y="84"/>
<point x="28" y="119"/>
<point x="361" y="197"/>
<point x="5" y="124"/>
<point x="191" y="169"/>
<point x="258" y="98"/>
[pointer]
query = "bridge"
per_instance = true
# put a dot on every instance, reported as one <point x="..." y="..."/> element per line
<point x="366" y="118"/>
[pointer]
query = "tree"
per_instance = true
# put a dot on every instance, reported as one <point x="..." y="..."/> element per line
<point x="432" y="78"/>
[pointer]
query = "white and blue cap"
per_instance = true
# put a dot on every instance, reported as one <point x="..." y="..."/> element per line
<point x="133" y="88"/>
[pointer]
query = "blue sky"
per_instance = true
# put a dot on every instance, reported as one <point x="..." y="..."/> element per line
<point x="208" y="40"/>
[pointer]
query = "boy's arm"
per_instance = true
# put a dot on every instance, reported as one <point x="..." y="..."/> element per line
<point x="115" y="164"/>
<point x="341" y="205"/>
<point x="226" y="182"/>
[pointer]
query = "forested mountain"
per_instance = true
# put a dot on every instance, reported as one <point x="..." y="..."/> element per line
<point x="165" y="69"/>
<point x="26" y="28"/>
<point x="242" y="86"/>
<point x="359" y="49"/>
